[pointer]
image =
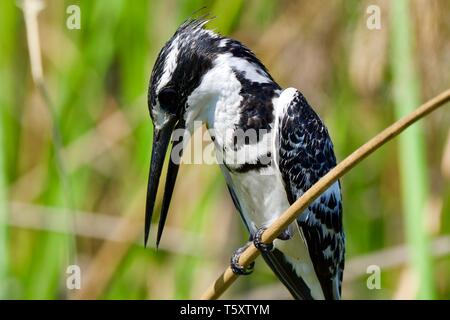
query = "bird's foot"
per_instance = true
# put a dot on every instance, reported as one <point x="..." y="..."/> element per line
<point x="267" y="247"/>
<point x="236" y="267"/>
<point x="257" y="241"/>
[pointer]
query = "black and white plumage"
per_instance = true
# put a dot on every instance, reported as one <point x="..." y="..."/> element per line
<point x="202" y="76"/>
<point x="306" y="154"/>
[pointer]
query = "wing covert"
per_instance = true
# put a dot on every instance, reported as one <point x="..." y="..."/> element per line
<point x="305" y="155"/>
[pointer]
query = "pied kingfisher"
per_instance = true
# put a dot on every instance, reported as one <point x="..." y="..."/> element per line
<point x="202" y="76"/>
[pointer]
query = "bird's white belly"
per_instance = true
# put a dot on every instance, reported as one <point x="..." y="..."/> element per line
<point x="262" y="198"/>
<point x="261" y="195"/>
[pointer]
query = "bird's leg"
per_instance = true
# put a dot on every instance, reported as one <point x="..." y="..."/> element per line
<point x="267" y="247"/>
<point x="234" y="263"/>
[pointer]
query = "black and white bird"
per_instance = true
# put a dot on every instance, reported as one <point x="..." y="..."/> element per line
<point x="202" y="76"/>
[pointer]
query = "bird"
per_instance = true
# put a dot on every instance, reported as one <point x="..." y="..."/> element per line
<point x="272" y="147"/>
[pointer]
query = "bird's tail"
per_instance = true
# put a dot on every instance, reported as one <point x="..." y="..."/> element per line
<point x="283" y="270"/>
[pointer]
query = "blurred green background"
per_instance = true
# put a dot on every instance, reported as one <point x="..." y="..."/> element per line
<point x="81" y="201"/>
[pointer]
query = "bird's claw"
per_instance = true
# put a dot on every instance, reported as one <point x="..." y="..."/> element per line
<point x="268" y="247"/>
<point x="236" y="267"/>
<point x="257" y="241"/>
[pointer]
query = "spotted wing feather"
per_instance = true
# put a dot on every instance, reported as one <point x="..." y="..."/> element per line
<point x="305" y="155"/>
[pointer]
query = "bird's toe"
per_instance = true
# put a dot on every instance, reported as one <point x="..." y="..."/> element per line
<point x="259" y="244"/>
<point x="236" y="267"/>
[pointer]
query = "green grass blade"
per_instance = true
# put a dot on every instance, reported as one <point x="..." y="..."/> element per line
<point x="7" y="129"/>
<point x="3" y="215"/>
<point x="412" y="151"/>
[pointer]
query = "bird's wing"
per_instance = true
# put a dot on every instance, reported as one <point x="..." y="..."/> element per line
<point x="305" y="155"/>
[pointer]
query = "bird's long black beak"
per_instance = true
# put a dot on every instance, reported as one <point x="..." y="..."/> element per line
<point x="161" y="140"/>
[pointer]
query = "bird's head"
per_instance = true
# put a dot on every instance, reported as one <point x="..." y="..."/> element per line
<point x="187" y="76"/>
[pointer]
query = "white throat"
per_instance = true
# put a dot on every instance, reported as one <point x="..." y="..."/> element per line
<point x="216" y="100"/>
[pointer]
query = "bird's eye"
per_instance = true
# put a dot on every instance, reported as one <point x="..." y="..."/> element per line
<point x="168" y="100"/>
